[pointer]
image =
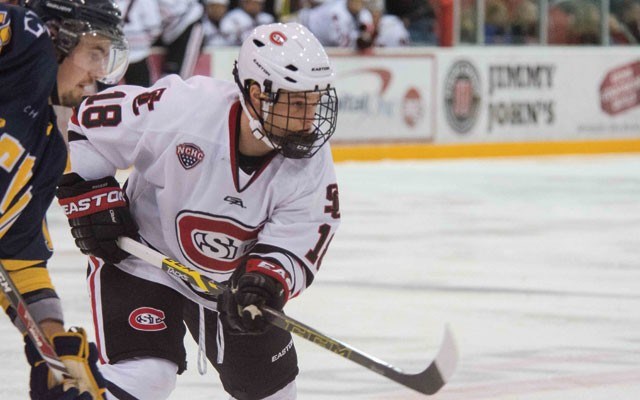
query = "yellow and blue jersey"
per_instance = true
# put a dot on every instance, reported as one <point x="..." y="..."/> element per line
<point x="32" y="153"/>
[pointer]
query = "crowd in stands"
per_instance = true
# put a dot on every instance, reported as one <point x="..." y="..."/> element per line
<point x="361" y="24"/>
<point x="185" y="27"/>
<point x="570" y="22"/>
<point x="339" y="23"/>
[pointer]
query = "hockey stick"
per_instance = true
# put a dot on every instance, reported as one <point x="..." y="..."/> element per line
<point x="427" y="382"/>
<point x="31" y="328"/>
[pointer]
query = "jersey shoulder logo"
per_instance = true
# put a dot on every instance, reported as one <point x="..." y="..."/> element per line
<point x="5" y="29"/>
<point x="189" y="155"/>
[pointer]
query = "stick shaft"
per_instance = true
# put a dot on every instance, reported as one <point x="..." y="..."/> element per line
<point x="31" y="328"/>
<point x="428" y="382"/>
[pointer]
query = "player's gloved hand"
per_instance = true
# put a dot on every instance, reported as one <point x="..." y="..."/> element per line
<point x="80" y="358"/>
<point x="98" y="214"/>
<point x="255" y="284"/>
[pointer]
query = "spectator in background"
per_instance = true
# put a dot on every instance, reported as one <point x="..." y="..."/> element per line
<point x="172" y="24"/>
<point x="577" y="22"/>
<point x="214" y="12"/>
<point x="619" y="33"/>
<point x="340" y="23"/>
<point x="418" y="16"/>
<point x="238" y="23"/>
<point x="388" y="30"/>
<point x="630" y="17"/>
<point x="497" y="27"/>
<point x="561" y="16"/>
<point x="142" y="27"/>
<point x="290" y="10"/>
<point x="524" y="26"/>
<point x="181" y="35"/>
<point x="468" y="21"/>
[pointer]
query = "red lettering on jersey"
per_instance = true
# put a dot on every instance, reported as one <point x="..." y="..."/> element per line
<point x="214" y="243"/>
<point x="332" y="196"/>
<point x="148" y="99"/>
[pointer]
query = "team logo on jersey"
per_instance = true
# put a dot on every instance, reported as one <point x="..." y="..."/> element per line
<point x="278" y="38"/>
<point x="5" y="29"/>
<point x="189" y="155"/>
<point x="234" y="201"/>
<point x="212" y="242"/>
<point x="147" y="319"/>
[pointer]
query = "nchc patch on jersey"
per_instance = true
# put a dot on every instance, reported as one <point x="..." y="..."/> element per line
<point x="189" y="155"/>
<point x="187" y="192"/>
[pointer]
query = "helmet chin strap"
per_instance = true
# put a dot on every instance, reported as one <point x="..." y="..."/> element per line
<point x="256" y="126"/>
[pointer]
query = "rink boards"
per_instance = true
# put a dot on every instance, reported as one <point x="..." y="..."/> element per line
<point x="478" y="101"/>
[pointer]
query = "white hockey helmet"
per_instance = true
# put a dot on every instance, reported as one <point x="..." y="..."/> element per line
<point x="285" y="59"/>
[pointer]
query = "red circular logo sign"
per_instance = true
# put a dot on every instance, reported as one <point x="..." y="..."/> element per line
<point x="278" y="38"/>
<point x="412" y="107"/>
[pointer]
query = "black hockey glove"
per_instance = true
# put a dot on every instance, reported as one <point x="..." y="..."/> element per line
<point x="255" y="284"/>
<point x="79" y="356"/>
<point x="98" y="214"/>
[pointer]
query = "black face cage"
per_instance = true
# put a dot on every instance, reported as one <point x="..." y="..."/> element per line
<point x="292" y="130"/>
<point x="298" y="124"/>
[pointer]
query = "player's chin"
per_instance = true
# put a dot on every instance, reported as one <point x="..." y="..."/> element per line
<point x="72" y="98"/>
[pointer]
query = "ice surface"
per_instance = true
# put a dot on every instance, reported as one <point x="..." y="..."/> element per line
<point x="534" y="262"/>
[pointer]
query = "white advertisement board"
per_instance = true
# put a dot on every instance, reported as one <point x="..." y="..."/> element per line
<point x="468" y="95"/>
<point x="386" y="97"/>
<point x="538" y="94"/>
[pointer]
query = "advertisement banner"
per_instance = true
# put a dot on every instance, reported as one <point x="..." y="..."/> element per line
<point x="385" y="97"/>
<point x="478" y="95"/>
<point x="537" y="94"/>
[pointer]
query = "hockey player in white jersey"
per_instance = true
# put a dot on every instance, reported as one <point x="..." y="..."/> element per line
<point x="238" y="23"/>
<point x="215" y="10"/>
<point x="233" y="179"/>
<point x="340" y="23"/>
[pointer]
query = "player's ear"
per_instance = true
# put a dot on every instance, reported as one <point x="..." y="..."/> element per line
<point x="255" y="96"/>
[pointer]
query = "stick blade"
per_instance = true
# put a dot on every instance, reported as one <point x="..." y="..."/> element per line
<point x="439" y="372"/>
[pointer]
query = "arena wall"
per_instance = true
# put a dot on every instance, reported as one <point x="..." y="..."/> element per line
<point x="479" y="101"/>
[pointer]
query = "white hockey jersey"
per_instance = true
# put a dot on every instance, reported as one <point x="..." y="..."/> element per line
<point x="142" y="26"/>
<point x="333" y="24"/>
<point x="146" y="20"/>
<point x="391" y="32"/>
<point x="177" y="15"/>
<point x="213" y="36"/>
<point x="189" y="197"/>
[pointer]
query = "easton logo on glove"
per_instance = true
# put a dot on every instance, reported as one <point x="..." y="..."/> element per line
<point x="93" y="202"/>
